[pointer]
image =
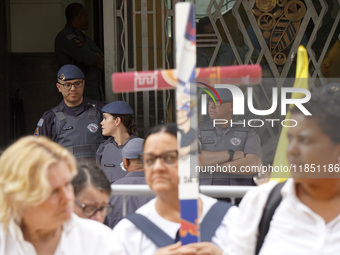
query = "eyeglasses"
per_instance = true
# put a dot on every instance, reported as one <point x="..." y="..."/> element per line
<point x="69" y="85"/>
<point x="168" y="157"/>
<point x="90" y="210"/>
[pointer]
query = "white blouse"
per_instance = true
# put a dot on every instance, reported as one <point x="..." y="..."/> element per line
<point x="295" y="229"/>
<point x="133" y="241"/>
<point x="79" y="236"/>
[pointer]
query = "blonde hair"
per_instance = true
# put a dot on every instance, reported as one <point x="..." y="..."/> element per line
<point x="23" y="174"/>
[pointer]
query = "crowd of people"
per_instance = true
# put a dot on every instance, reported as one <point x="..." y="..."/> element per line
<point x="50" y="204"/>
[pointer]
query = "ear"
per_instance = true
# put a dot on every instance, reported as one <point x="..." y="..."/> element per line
<point x="126" y="163"/>
<point x="58" y="87"/>
<point x="118" y="120"/>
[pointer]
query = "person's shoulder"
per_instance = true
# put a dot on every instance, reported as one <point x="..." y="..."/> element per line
<point x="144" y="210"/>
<point x="122" y="180"/>
<point x="207" y="125"/>
<point x="147" y="209"/>
<point x="263" y="188"/>
<point x="133" y="136"/>
<point x="125" y="226"/>
<point x="98" y="104"/>
<point x="101" y="147"/>
<point x="89" y="226"/>
<point x="132" y="177"/>
<point x="63" y="33"/>
<point x="241" y="127"/>
<point x="56" y="108"/>
<point x="96" y="236"/>
<point x="136" y="177"/>
<point x="46" y="119"/>
<point x="257" y="197"/>
<point x="225" y="45"/>
<point x="67" y="30"/>
<point x="48" y="115"/>
<point x="105" y="142"/>
<point x="209" y="202"/>
<point x="9" y="243"/>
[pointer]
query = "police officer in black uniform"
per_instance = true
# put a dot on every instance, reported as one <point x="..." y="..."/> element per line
<point x="75" y="122"/>
<point x="226" y="145"/>
<point x="72" y="46"/>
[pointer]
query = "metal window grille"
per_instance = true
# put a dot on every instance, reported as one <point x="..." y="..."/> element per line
<point x="139" y="35"/>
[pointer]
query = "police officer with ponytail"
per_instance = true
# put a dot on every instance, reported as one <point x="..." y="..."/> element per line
<point x="118" y="125"/>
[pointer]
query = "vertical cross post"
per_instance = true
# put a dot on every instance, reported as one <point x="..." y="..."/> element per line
<point x="186" y="113"/>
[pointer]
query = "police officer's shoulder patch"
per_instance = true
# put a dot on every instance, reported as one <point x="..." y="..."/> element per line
<point x="36" y="132"/>
<point x="40" y="123"/>
<point x="92" y="127"/>
<point x="77" y="41"/>
<point x="70" y="36"/>
<point x="235" y="141"/>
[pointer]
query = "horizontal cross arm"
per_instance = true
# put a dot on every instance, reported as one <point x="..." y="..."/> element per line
<point x="167" y="79"/>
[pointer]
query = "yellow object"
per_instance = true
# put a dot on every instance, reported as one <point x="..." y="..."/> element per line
<point x="301" y="81"/>
<point x="331" y="64"/>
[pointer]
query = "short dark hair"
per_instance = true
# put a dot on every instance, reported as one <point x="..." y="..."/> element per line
<point x="89" y="173"/>
<point x="72" y="10"/>
<point x="324" y="106"/>
<point x="205" y="21"/>
<point x="170" y="128"/>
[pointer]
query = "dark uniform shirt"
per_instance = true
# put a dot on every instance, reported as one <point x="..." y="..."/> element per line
<point x="225" y="56"/>
<point x="109" y="157"/>
<point x="80" y="133"/>
<point x="132" y="203"/>
<point x="72" y="46"/>
<point x="236" y="138"/>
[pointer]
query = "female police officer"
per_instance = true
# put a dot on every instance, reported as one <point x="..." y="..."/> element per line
<point x="118" y="124"/>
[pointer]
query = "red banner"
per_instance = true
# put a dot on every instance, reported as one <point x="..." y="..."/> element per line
<point x="167" y="79"/>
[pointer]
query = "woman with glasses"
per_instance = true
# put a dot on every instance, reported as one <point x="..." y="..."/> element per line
<point x="92" y="192"/>
<point x="160" y="157"/>
<point x="118" y="125"/>
<point x="36" y="198"/>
